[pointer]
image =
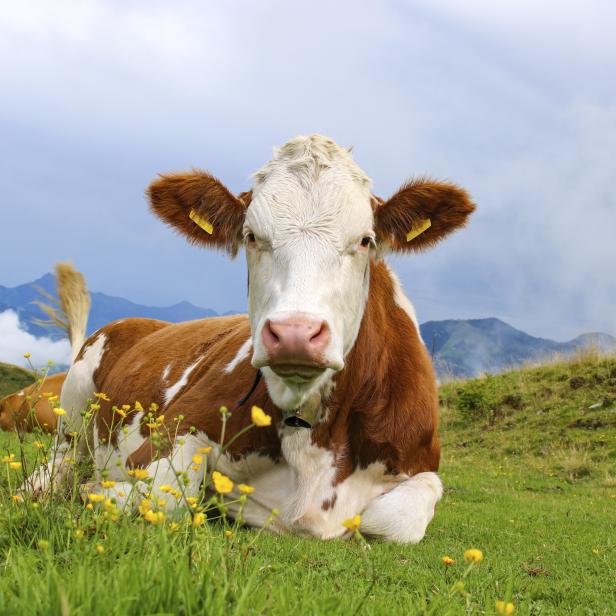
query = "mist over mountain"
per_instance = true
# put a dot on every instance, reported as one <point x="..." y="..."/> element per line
<point x="459" y="348"/>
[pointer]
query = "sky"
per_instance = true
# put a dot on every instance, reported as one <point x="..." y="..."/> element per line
<point x="514" y="100"/>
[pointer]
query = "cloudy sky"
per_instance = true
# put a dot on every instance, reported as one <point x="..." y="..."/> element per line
<point x="515" y="100"/>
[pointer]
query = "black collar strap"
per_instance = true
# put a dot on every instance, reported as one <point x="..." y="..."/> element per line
<point x="252" y="389"/>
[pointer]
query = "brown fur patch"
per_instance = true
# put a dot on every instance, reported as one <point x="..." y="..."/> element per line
<point x="173" y="196"/>
<point x="446" y="205"/>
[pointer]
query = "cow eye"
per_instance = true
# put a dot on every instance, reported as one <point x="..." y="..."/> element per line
<point x="366" y="241"/>
<point x="250" y="238"/>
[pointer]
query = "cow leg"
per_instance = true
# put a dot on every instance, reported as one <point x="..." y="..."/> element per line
<point x="403" y="514"/>
<point x="71" y="441"/>
<point x="176" y="473"/>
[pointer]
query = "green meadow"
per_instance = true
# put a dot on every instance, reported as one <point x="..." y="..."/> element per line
<point x="529" y="465"/>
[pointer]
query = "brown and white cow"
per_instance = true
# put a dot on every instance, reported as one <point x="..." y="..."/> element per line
<point x="328" y="325"/>
<point x="29" y="408"/>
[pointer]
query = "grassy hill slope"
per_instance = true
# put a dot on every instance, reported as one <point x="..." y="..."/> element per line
<point x="13" y="378"/>
<point x="528" y="467"/>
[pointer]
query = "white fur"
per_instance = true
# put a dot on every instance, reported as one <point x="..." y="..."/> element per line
<point x="240" y="356"/>
<point x="172" y="391"/>
<point x="309" y="211"/>
<point x="402" y="301"/>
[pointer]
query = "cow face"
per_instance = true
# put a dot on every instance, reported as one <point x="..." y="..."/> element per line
<point x="310" y="226"/>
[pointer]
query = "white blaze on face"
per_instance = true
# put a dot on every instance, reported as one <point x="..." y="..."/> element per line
<point x="309" y="213"/>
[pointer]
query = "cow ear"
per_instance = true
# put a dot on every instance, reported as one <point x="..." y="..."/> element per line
<point x="201" y="208"/>
<point x="420" y="214"/>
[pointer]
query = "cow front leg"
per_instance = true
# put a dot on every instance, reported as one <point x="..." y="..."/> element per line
<point x="403" y="514"/>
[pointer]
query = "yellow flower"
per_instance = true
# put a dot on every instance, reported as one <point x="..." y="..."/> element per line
<point x="145" y="506"/>
<point x="448" y="560"/>
<point x="352" y="523"/>
<point x="107" y="483"/>
<point x="259" y="417"/>
<point x="17" y="498"/>
<point x="242" y="487"/>
<point x="96" y="498"/>
<point x="473" y="555"/>
<point x="95" y="407"/>
<point x="119" y="412"/>
<point x="222" y="483"/>
<point x="165" y="488"/>
<point x="101" y="396"/>
<point x="204" y="450"/>
<point x="27" y="355"/>
<point x="9" y="458"/>
<point x="174" y="526"/>
<point x="138" y="406"/>
<point x="89" y="507"/>
<point x="152" y="517"/>
<point x="43" y="545"/>
<point x="191" y="500"/>
<point x="79" y="534"/>
<point x="229" y="534"/>
<point x="198" y="519"/>
<point x="100" y="549"/>
<point x="38" y="444"/>
<point x="15" y="465"/>
<point x="153" y="407"/>
<point x="126" y="407"/>
<point x="505" y="608"/>
<point x="139" y="473"/>
<point x="595" y="551"/>
<point x="197" y="459"/>
<point x="59" y="411"/>
<point x="48" y="394"/>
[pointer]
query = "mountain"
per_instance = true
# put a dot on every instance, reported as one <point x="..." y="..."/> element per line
<point x="105" y="308"/>
<point x="465" y="348"/>
<point x="460" y="348"/>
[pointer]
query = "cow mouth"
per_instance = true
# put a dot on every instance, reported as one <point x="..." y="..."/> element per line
<point x="301" y="373"/>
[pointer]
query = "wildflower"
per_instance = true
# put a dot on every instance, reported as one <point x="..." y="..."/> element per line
<point x="259" y="417"/>
<point x="27" y="355"/>
<point x="448" y="560"/>
<point x="101" y="396"/>
<point x="144" y="506"/>
<point x="595" y="551"/>
<point x="153" y="407"/>
<point x="204" y="450"/>
<point x="59" y="411"/>
<point x="17" y="498"/>
<point x="505" y="608"/>
<point x="139" y="473"/>
<point x="96" y="498"/>
<point x="48" y="394"/>
<point x="39" y="445"/>
<point x="8" y="458"/>
<point x="352" y="523"/>
<point x="197" y="459"/>
<point x="126" y="407"/>
<point x="222" y="483"/>
<point x="473" y="555"/>
<point x="100" y="549"/>
<point x="198" y="519"/>
<point x="165" y="488"/>
<point x="242" y="487"/>
<point x="191" y="500"/>
<point x="89" y="507"/>
<point x="79" y="534"/>
<point x="229" y="534"/>
<point x="43" y="544"/>
<point x="119" y="412"/>
<point x="138" y="406"/>
<point x="15" y="465"/>
<point x="152" y="517"/>
<point x="95" y="407"/>
<point x="72" y="434"/>
<point x="174" y="526"/>
<point x="107" y="483"/>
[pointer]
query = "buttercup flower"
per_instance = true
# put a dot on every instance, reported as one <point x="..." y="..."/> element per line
<point x="38" y="444"/>
<point x="152" y="517"/>
<point x="139" y="473"/>
<point x="242" y="487"/>
<point x="352" y="523"/>
<point x="222" y="483"/>
<point x="96" y="498"/>
<point x="138" y="406"/>
<point x="27" y="355"/>
<point x="473" y="555"/>
<point x="59" y="411"/>
<point x="15" y="465"/>
<point x="144" y="506"/>
<point x="100" y="549"/>
<point x="101" y="396"/>
<point x="197" y="459"/>
<point x="107" y="483"/>
<point x="229" y="534"/>
<point x="448" y="560"/>
<point x="165" y="488"/>
<point x="505" y="608"/>
<point x="198" y="519"/>
<point x="259" y="417"/>
<point x="204" y="450"/>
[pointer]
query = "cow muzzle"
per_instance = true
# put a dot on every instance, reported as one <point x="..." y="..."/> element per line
<point x="296" y="346"/>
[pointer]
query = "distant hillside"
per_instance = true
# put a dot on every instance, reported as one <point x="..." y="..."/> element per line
<point x="465" y="348"/>
<point x="105" y="308"/>
<point x="460" y="348"/>
<point x="13" y="378"/>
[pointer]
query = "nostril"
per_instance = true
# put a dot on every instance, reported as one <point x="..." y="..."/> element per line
<point x="321" y="334"/>
<point x="270" y="336"/>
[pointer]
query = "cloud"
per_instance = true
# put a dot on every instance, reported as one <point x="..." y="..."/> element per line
<point x="15" y="341"/>
<point x="513" y="100"/>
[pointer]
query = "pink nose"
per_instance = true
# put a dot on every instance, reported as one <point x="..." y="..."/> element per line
<point x="296" y="340"/>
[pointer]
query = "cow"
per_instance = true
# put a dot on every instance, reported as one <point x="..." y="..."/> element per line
<point x="30" y="408"/>
<point x="346" y="378"/>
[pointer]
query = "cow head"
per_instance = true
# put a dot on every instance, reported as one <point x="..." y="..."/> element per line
<point x="310" y="226"/>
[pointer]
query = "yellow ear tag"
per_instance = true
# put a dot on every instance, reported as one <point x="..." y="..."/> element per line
<point x="201" y="222"/>
<point x="423" y="226"/>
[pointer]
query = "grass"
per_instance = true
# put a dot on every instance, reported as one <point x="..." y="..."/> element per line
<point x="528" y="465"/>
<point x="13" y="378"/>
